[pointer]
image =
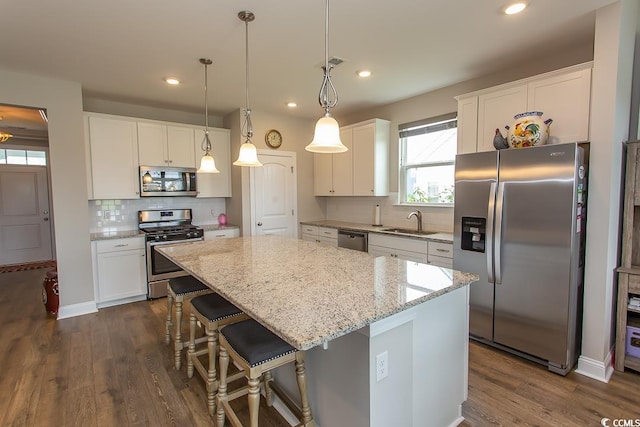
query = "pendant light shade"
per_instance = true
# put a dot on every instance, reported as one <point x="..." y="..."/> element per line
<point x="248" y="155"/>
<point x="326" y="138"/>
<point x="207" y="163"/>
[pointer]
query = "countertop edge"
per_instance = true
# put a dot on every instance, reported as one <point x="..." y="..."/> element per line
<point x="442" y="237"/>
<point x="125" y="234"/>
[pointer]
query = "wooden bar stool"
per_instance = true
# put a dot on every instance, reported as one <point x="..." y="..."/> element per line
<point x="213" y="312"/>
<point x="179" y="290"/>
<point x="257" y="351"/>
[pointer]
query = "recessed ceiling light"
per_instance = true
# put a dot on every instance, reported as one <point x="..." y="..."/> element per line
<point x="172" y="81"/>
<point x="292" y="104"/>
<point x="363" y="73"/>
<point x="514" y="8"/>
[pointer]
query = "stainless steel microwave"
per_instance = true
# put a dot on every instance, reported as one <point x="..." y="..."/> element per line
<point x="163" y="181"/>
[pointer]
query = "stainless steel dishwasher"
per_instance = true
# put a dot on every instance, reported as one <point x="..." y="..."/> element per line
<point x="356" y="240"/>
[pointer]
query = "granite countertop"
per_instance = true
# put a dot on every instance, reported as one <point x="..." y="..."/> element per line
<point x="309" y="294"/>
<point x="354" y="226"/>
<point x="123" y="234"/>
<point x="120" y="234"/>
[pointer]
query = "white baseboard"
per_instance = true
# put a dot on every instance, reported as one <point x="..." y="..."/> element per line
<point x="596" y="369"/>
<point x="122" y="301"/>
<point x="457" y="422"/>
<point x="74" y="310"/>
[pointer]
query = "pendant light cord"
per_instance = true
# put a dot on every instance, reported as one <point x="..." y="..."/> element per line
<point x="206" y="142"/>
<point x="247" y="128"/>
<point x="327" y="88"/>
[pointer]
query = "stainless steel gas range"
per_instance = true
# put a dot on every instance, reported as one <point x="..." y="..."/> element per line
<point x="162" y="227"/>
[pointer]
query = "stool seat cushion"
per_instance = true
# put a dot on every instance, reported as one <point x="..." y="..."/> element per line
<point x="186" y="285"/>
<point x="255" y="343"/>
<point x="214" y="307"/>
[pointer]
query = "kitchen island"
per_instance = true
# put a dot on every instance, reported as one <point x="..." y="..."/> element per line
<point x="349" y="309"/>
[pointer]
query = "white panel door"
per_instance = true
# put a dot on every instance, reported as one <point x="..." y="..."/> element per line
<point x="25" y="229"/>
<point x="274" y="196"/>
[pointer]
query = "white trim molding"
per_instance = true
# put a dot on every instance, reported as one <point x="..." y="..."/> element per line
<point x="596" y="369"/>
<point x="74" y="310"/>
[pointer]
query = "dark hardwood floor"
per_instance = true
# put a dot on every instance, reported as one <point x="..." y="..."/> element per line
<point x="113" y="369"/>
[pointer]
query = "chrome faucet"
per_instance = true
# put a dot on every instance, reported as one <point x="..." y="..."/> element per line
<point x="418" y="216"/>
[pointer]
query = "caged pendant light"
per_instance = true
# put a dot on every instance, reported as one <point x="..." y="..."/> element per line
<point x="207" y="163"/>
<point x="248" y="155"/>
<point x="326" y="138"/>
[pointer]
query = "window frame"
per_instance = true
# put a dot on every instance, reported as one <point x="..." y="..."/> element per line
<point x="25" y="150"/>
<point x="404" y="167"/>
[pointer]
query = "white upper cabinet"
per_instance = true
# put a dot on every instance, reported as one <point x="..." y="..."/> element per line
<point x="117" y="146"/>
<point x="467" y="124"/>
<point x="565" y="99"/>
<point x="562" y="95"/>
<point x="114" y="157"/>
<point x="214" y="184"/>
<point x="371" y="159"/>
<point x="363" y="169"/>
<point x="165" y="145"/>
<point x="332" y="173"/>
<point x="496" y="110"/>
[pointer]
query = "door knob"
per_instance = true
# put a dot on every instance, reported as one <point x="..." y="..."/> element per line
<point x="45" y="212"/>
<point x="259" y="224"/>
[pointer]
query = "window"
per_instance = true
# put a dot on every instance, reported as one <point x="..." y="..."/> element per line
<point x="427" y="156"/>
<point x="23" y="157"/>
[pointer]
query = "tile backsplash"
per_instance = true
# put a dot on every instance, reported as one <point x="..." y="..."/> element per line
<point x="361" y="210"/>
<point x="121" y="215"/>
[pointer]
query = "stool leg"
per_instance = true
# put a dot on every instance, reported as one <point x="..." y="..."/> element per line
<point x="268" y="393"/>
<point x="212" y="344"/>
<point x="222" y="386"/>
<point x="254" y="400"/>
<point x="168" y="323"/>
<point x="307" y="419"/>
<point x="192" y="344"/>
<point x="177" y="340"/>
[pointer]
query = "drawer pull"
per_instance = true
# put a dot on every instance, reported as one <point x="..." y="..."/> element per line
<point x="443" y="250"/>
<point x="121" y="245"/>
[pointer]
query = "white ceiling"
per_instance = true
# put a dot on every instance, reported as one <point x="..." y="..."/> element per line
<point x="121" y="49"/>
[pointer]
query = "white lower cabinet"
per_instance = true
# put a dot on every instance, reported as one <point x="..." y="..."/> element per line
<point x="440" y="254"/>
<point x="398" y="247"/>
<point x="120" y="273"/>
<point x="418" y="250"/>
<point x="325" y="235"/>
<point x="221" y="234"/>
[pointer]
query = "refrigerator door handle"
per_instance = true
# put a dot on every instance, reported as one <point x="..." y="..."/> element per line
<point x="489" y="231"/>
<point x="498" y="233"/>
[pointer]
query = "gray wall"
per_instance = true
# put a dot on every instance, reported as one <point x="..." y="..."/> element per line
<point x="63" y="101"/>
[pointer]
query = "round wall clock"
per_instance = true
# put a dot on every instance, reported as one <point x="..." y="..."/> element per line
<point x="273" y="138"/>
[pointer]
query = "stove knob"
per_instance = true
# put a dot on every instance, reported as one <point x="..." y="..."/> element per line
<point x="164" y="237"/>
<point x="156" y="238"/>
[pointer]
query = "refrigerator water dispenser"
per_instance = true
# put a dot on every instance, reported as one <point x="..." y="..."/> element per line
<point x="473" y="234"/>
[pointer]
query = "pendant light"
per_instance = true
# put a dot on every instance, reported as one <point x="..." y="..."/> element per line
<point x="207" y="163"/>
<point x="248" y="155"/>
<point x="326" y="138"/>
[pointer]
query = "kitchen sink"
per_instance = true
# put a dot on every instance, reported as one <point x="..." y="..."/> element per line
<point x="409" y="231"/>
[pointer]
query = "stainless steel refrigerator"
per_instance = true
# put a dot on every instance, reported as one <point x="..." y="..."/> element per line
<point x="519" y="223"/>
